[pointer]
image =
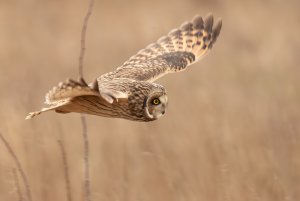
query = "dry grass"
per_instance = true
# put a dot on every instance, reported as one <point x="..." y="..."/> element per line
<point x="234" y="135"/>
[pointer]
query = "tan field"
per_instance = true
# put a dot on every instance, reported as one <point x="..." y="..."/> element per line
<point x="232" y="129"/>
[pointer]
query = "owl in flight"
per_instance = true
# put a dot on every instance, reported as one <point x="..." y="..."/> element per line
<point x="129" y="92"/>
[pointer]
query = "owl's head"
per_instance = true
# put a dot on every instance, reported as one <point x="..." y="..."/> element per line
<point x="155" y="105"/>
<point x="148" y="101"/>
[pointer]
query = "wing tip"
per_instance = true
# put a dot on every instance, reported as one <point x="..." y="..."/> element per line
<point x="216" y="30"/>
<point x="186" y="26"/>
<point x="198" y="22"/>
<point x="32" y="115"/>
<point x="208" y="22"/>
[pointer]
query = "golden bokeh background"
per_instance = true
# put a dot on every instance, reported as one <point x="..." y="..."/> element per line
<point x="232" y="129"/>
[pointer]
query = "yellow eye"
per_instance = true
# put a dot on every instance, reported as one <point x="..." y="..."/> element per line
<point x="155" y="101"/>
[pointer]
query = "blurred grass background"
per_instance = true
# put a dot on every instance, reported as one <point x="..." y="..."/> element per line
<point x="232" y="128"/>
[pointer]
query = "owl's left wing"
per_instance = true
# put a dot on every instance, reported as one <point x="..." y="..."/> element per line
<point x="172" y="53"/>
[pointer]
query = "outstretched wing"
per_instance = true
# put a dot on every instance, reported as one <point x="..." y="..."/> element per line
<point x="71" y="89"/>
<point x="62" y="95"/>
<point x="171" y="53"/>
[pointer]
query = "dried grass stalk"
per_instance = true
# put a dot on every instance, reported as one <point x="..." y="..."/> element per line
<point x="17" y="184"/>
<point x="19" y="166"/>
<point x="83" y="120"/>
<point x="66" y="169"/>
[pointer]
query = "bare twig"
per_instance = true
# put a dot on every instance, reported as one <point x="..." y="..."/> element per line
<point x="83" y="120"/>
<point x="86" y="159"/>
<point x="83" y="33"/>
<point x="66" y="169"/>
<point x="19" y="167"/>
<point x="17" y="184"/>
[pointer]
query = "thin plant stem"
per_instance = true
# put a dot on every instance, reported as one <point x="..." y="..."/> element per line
<point x="82" y="117"/>
<point x="86" y="159"/>
<point x="66" y="169"/>
<point x="83" y="37"/>
<point x="17" y="184"/>
<point x="19" y="166"/>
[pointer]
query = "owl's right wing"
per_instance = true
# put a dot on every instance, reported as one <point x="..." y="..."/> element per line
<point x="62" y="94"/>
<point x="71" y="89"/>
<point x="172" y="53"/>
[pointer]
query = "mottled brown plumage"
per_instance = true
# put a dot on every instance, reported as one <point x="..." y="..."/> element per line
<point x="129" y="91"/>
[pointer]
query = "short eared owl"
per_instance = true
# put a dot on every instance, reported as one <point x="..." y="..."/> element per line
<point x="129" y="91"/>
